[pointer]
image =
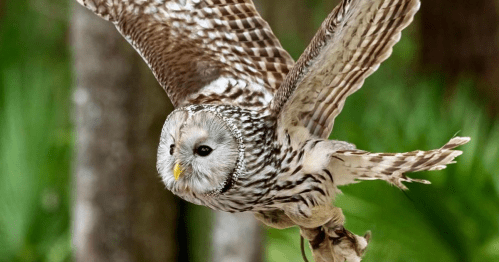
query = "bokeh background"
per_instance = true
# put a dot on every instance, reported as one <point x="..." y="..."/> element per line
<point x="441" y="80"/>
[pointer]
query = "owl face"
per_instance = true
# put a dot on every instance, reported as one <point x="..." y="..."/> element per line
<point x="197" y="153"/>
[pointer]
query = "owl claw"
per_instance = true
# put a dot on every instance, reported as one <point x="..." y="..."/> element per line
<point x="336" y="243"/>
<point x="348" y="246"/>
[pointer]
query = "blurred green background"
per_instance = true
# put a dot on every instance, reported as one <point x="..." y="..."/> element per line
<point x="402" y="107"/>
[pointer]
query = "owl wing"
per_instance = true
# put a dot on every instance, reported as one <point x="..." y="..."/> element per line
<point x="349" y="46"/>
<point x="351" y="165"/>
<point x="202" y="51"/>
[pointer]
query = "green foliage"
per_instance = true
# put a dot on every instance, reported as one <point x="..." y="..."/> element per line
<point x="455" y="218"/>
<point x="35" y="135"/>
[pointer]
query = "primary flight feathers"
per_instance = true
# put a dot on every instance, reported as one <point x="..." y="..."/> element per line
<point x="194" y="48"/>
<point x="349" y="46"/>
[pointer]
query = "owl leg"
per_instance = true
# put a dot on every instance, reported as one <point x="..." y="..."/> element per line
<point x="320" y="246"/>
<point x="311" y="217"/>
<point x="275" y="218"/>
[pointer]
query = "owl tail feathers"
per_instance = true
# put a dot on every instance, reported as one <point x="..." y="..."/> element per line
<point x="353" y="165"/>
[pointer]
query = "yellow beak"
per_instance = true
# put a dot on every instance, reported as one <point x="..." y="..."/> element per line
<point x="177" y="171"/>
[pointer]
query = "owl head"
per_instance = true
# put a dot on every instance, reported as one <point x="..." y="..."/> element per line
<point x="200" y="152"/>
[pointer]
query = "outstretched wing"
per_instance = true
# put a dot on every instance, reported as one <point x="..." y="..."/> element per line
<point x="202" y="51"/>
<point x="350" y="45"/>
<point x="352" y="165"/>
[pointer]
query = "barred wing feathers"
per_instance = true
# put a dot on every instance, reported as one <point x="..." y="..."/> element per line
<point x="203" y="51"/>
<point x="352" y="165"/>
<point x="350" y="45"/>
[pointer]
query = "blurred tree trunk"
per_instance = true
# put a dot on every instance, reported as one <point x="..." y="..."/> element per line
<point x="461" y="37"/>
<point x="237" y="238"/>
<point x="122" y="211"/>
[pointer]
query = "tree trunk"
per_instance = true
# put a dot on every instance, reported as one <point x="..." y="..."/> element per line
<point x="122" y="211"/>
<point x="237" y="238"/>
<point x="461" y="37"/>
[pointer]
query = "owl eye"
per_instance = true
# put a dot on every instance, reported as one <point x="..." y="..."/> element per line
<point x="171" y="149"/>
<point x="203" y="150"/>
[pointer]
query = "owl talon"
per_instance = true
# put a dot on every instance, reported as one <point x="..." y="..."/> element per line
<point x="347" y="245"/>
<point x="335" y="244"/>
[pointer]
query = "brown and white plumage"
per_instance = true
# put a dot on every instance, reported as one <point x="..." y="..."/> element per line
<point x="191" y="44"/>
<point x="349" y="46"/>
<point x="250" y="129"/>
<point x="362" y="165"/>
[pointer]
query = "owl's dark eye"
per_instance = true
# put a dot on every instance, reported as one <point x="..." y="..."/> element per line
<point x="203" y="150"/>
<point x="172" y="146"/>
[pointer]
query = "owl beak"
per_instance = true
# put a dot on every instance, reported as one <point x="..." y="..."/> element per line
<point x="177" y="171"/>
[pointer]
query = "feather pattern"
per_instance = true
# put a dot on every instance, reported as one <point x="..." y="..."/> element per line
<point x="350" y="45"/>
<point x="351" y="165"/>
<point x="203" y="51"/>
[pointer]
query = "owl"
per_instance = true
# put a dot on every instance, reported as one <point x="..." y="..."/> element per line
<point x="250" y="129"/>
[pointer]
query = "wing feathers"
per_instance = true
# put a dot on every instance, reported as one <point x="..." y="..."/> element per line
<point x="351" y="43"/>
<point x="106" y="9"/>
<point x="195" y="46"/>
<point x="361" y="165"/>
